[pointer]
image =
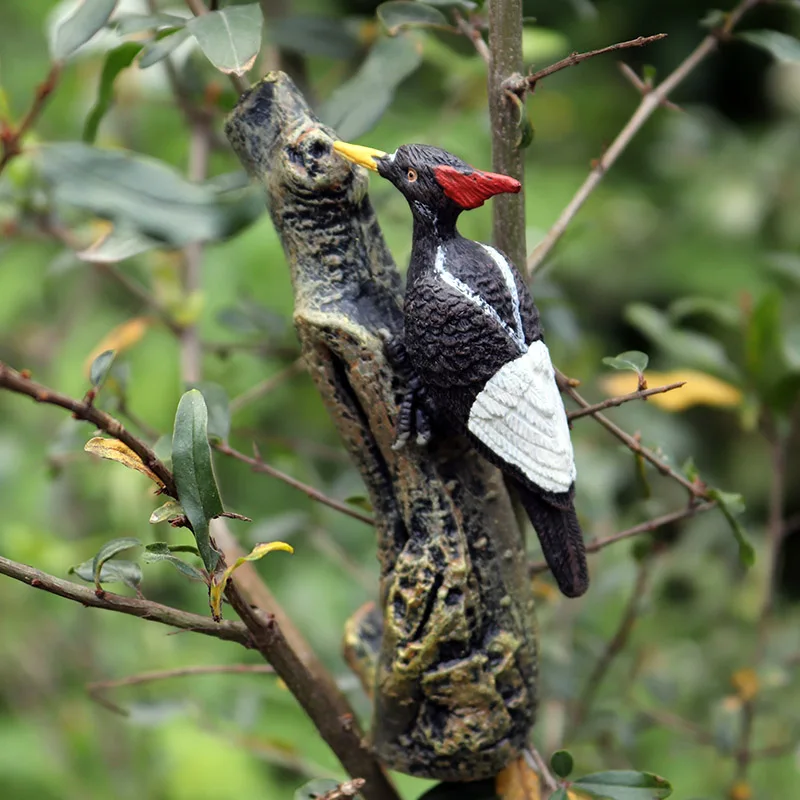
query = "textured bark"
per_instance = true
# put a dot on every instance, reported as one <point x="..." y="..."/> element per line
<point x="454" y="675"/>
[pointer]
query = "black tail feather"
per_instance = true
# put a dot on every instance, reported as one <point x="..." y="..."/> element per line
<point x="560" y="535"/>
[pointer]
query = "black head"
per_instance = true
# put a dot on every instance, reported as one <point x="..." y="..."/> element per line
<point x="431" y="178"/>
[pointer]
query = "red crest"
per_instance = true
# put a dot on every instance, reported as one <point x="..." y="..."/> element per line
<point x="472" y="189"/>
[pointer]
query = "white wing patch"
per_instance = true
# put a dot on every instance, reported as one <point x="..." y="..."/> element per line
<point x="520" y="417"/>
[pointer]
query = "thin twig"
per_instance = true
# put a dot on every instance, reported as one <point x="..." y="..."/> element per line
<point x="650" y="525"/>
<point x="529" y="81"/>
<point x="643" y="87"/>
<point x="474" y="35"/>
<point x="11" y="137"/>
<point x="624" y="398"/>
<point x="258" y="465"/>
<point x="97" y="690"/>
<point x="696" y="489"/>
<point x="533" y="758"/>
<point x="133" y="606"/>
<point x="649" y="103"/>
<point x="83" y="410"/>
<point x="266" y="386"/>
<point x="614" y="647"/>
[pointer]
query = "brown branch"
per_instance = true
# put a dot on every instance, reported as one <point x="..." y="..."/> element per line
<point x="258" y="465"/>
<point x="695" y="489"/>
<point x="623" y="398"/>
<point x="97" y="690"/>
<point x="145" y="609"/>
<point x="614" y="647"/>
<point x="643" y="87"/>
<point x="649" y="103"/>
<point x="83" y="410"/>
<point x="11" y="137"/>
<point x="650" y="525"/>
<point x="529" y="82"/>
<point x="474" y="35"/>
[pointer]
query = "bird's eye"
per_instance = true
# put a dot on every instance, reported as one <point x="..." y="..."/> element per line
<point x="412" y="175"/>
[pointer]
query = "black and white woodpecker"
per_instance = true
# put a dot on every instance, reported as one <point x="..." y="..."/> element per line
<point x="474" y="343"/>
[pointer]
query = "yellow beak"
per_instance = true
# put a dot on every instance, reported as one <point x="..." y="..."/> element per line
<point x="365" y="156"/>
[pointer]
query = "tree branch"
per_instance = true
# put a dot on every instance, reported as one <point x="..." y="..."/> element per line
<point x="84" y="410"/>
<point x="623" y="398"/>
<point x="260" y="466"/>
<point x="11" y="137"/>
<point x="649" y="103"/>
<point x="145" y="609"/>
<point x="643" y="527"/>
<point x="528" y="82"/>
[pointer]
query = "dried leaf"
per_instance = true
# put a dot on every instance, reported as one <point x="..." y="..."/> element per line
<point x="115" y="450"/>
<point x="120" y="339"/>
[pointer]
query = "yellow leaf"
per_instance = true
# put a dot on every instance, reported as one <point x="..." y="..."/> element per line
<point x="121" y="338"/>
<point x="740" y="791"/>
<point x="115" y="450"/>
<point x="218" y="586"/>
<point x="701" y="389"/>
<point x="746" y="683"/>
<point x="518" y="782"/>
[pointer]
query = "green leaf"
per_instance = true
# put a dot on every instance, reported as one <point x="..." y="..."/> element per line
<point x="398" y="14"/>
<point x="108" y="551"/>
<point x="127" y="24"/>
<point x="718" y="310"/>
<point x="780" y="45"/>
<point x="714" y="18"/>
<point x="100" y="367"/>
<point x="117" y="244"/>
<point x="161" y="46"/>
<point x="562" y="763"/>
<point x="732" y="505"/>
<point x="194" y="474"/>
<point x="219" y="413"/>
<point x="685" y="348"/>
<point x="117" y="571"/>
<point x="462" y="5"/>
<point x="81" y="25"/>
<point x="172" y="509"/>
<point x="314" y="36"/>
<point x="357" y="105"/>
<point x="117" y="60"/>
<point x="230" y="38"/>
<point x="625" y="785"/>
<point x="559" y="794"/>
<point x="524" y="126"/>
<point x="160" y="551"/>
<point x="359" y="501"/>
<point x="633" y="360"/>
<point x="142" y="194"/>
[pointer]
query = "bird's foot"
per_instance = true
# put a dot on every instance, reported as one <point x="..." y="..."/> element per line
<point x="416" y="411"/>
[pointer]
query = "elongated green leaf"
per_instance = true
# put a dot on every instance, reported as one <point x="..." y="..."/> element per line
<point x="219" y="413"/>
<point x="398" y="14"/>
<point x="117" y="244"/>
<point x="718" y="310"/>
<point x="462" y="5"/>
<point x="117" y="60"/>
<point x="81" y="25"/>
<point x="143" y="194"/>
<point x="779" y="45"/>
<point x="732" y="505"/>
<point x="625" y="785"/>
<point x="314" y="36"/>
<point x="230" y="37"/>
<point x="100" y="367"/>
<point x="108" y="551"/>
<point x="160" y="551"/>
<point x="170" y="510"/>
<point x="633" y="360"/>
<point x="136" y="23"/>
<point x="164" y="43"/>
<point x="359" y="103"/>
<point x="194" y="474"/>
<point x="116" y="571"/>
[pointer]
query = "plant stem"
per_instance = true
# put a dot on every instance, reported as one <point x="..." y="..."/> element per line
<point x="505" y="47"/>
<point x="623" y="398"/>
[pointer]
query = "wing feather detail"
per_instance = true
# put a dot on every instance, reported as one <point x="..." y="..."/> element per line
<point x="520" y="417"/>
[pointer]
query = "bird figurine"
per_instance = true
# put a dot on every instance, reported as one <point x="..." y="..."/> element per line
<point x="473" y="348"/>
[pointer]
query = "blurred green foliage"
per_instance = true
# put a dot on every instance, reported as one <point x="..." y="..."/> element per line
<point x="689" y="250"/>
